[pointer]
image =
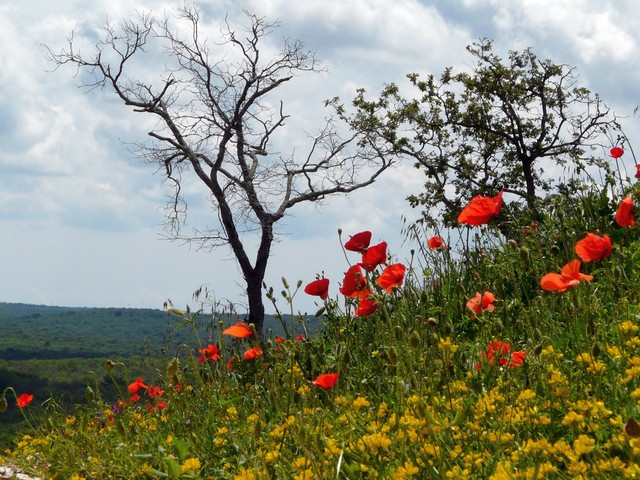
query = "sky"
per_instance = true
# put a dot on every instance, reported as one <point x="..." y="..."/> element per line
<point x="81" y="217"/>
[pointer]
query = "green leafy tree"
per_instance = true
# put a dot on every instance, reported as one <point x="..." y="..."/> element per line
<point x="218" y="118"/>
<point x="521" y="125"/>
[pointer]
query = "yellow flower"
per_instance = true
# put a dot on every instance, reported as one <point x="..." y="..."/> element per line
<point x="405" y="471"/>
<point x="374" y="442"/>
<point x="244" y="474"/>
<point x="232" y="413"/>
<point x="190" y="464"/>
<point x="583" y="445"/>
<point x="360" y="402"/>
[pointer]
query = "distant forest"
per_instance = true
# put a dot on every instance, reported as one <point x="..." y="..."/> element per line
<point x="55" y="352"/>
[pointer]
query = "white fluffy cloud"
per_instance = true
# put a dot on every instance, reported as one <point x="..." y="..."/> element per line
<point x="80" y="214"/>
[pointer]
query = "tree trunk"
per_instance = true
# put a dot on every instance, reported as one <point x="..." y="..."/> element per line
<point x="256" y="304"/>
<point x="529" y="182"/>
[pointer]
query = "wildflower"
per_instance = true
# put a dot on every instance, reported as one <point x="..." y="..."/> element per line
<point x="374" y="256"/>
<point x="624" y="217"/>
<point x="137" y="385"/>
<point x="616" y="152"/>
<point x="366" y="307"/>
<point x="319" y="288"/>
<point x="569" y="277"/>
<point x="252" y="353"/>
<point x="405" y="471"/>
<point x="637" y="175"/>
<point x="481" y="210"/>
<point x="239" y="330"/>
<point x="435" y="243"/>
<point x="326" y="380"/>
<point x="480" y="303"/>
<point x="501" y="352"/>
<point x="354" y="282"/>
<point x="583" y="445"/>
<point x="24" y="400"/>
<point x="210" y="352"/>
<point x="359" y="242"/>
<point x="155" y="392"/>
<point x="230" y="362"/>
<point x="279" y="339"/>
<point x="391" y="277"/>
<point x="190" y="464"/>
<point x="593" y="247"/>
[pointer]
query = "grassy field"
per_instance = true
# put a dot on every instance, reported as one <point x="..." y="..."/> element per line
<point x="496" y="357"/>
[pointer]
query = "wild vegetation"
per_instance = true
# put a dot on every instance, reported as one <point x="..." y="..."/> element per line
<point x="483" y="357"/>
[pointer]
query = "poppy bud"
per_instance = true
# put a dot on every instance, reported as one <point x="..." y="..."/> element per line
<point x="617" y="272"/>
<point x="285" y="283"/>
<point x="345" y="360"/>
<point x="120" y="428"/>
<point x="432" y="321"/>
<point x="393" y="355"/>
<point x="525" y="256"/>
<point x="3" y="404"/>
<point x="414" y="339"/>
<point x="339" y="232"/>
<point x="320" y="312"/>
<point x="555" y="249"/>
<point x="538" y="350"/>
<point x="172" y="368"/>
<point x="424" y="298"/>
<point x="89" y="393"/>
<point x="257" y="430"/>
<point x="109" y="364"/>
<point x="513" y="244"/>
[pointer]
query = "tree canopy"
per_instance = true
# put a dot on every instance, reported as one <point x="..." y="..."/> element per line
<point x="522" y="125"/>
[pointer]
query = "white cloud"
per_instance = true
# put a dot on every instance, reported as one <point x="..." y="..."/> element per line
<point x="81" y="212"/>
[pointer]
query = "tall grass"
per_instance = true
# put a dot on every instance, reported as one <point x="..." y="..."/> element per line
<point x="423" y="389"/>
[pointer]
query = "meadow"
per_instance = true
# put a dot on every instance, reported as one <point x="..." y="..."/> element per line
<point x="511" y="353"/>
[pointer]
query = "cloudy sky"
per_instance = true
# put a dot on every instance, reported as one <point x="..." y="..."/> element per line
<point x="80" y="217"/>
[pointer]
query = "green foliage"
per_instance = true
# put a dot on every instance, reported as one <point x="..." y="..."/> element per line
<point x="520" y="124"/>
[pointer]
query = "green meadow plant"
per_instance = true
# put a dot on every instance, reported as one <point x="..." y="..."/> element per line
<point x="485" y="357"/>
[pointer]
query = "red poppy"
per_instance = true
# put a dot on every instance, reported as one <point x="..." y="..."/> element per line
<point x="24" y="400"/>
<point x="637" y="175"/>
<point x="359" y="242"/>
<point x="354" y="282"/>
<point x="299" y="337"/>
<point x="279" y="339"/>
<point x="593" y="247"/>
<point x="137" y="385"/>
<point x="374" y="256"/>
<point x="480" y="303"/>
<point x="319" y="288"/>
<point x="252" y="353"/>
<point x="230" y="362"/>
<point x="135" y="397"/>
<point x="435" y="243"/>
<point x="210" y="352"/>
<point x="154" y="392"/>
<point x="481" y="210"/>
<point x="161" y="405"/>
<point x="366" y="307"/>
<point x="326" y="380"/>
<point x="501" y="351"/>
<point x="569" y="277"/>
<point x="239" y="330"/>
<point x="624" y="217"/>
<point x="391" y="277"/>
<point x="616" y="152"/>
